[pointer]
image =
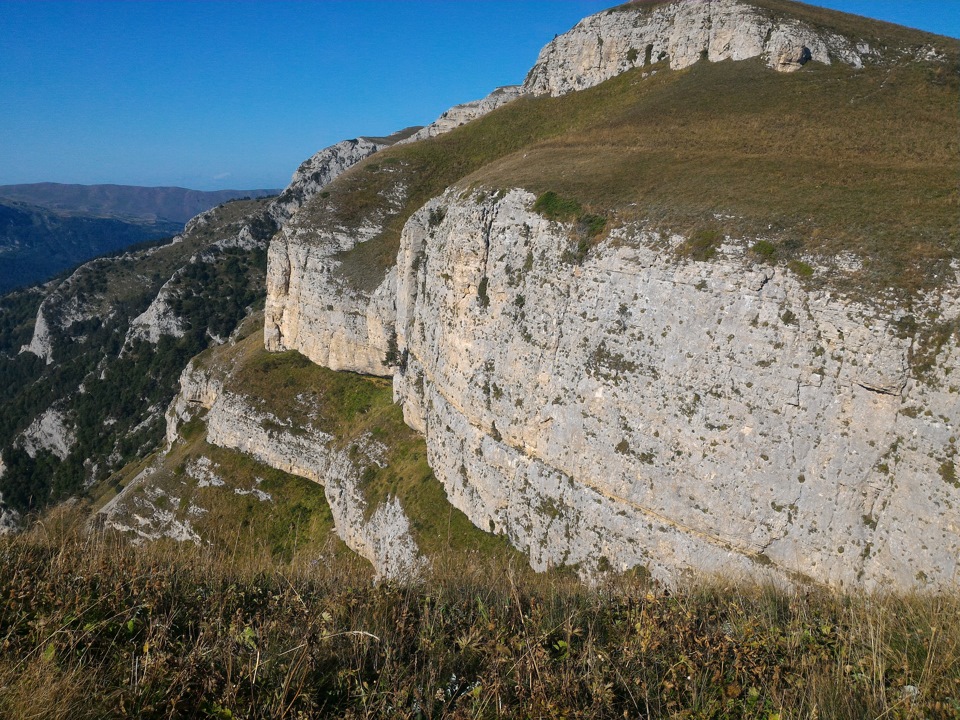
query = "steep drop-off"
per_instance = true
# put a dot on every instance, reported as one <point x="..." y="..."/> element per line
<point x="725" y="344"/>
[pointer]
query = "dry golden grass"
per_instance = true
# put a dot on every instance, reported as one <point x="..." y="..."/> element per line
<point x="92" y="627"/>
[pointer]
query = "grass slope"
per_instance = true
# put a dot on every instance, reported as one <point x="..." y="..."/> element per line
<point x="94" y="628"/>
<point x="825" y="161"/>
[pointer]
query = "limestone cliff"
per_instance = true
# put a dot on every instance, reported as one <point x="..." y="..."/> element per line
<point x="614" y="401"/>
<point x="681" y="33"/>
<point x="313" y="309"/>
<point x="704" y="415"/>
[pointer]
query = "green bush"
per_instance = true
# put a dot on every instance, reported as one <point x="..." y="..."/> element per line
<point x="763" y="248"/>
<point x="554" y="207"/>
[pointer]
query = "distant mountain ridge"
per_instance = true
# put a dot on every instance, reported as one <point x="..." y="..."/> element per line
<point x="176" y="204"/>
<point x="46" y="228"/>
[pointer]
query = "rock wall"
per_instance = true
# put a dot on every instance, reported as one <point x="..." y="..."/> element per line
<point x="609" y="43"/>
<point x="311" y="308"/>
<point x="382" y="537"/>
<point x="630" y="408"/>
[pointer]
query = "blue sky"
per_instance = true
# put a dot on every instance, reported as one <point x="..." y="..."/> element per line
<point x="221" y="94"/>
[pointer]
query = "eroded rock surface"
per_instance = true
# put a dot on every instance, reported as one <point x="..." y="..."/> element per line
<point x="682" y="33"/>
<point x="635" y="409"/>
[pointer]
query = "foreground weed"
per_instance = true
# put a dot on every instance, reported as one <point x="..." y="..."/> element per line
<point x="94" y="627"/>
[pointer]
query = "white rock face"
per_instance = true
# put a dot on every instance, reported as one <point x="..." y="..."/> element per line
<point x="144" y="511"/>
<point x="303" y="270"/>
<point x="199" y="390"/>
<point x="41" y="343"/>
<point x="609" y="43"/>
<point x="462" y="114"/>
<point x="312" y="308"/>
<point x="157" y="320"/>
<point x="679" y="415"/>
<point x="319" y="171"/>
<point x="48" y="432"/>
<point x="384" y="538"/>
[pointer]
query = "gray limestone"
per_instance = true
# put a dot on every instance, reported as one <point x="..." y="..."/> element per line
<point x="681" y="33"/>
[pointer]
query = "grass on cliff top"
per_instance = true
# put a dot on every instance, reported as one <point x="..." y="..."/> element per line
<point x="826" y="160"/>
<point x="95" y="628"/>
<point x="355" y="409"/>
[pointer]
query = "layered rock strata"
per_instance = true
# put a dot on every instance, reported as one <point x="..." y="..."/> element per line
<point x="633" y="409"/>
<point x="312" y="308"/>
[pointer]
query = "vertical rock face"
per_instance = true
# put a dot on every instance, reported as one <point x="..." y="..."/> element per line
<point x="313" y="309"/>
<point x="609" y="43"/>
<point x="633" y="409"/>
<point x="310" y="306"/>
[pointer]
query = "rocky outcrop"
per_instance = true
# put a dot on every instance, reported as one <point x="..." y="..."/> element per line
<point x="382" y="536"/>
<point x="462" y="114"/>
<point x="319" y="171"/>
<point x="199" y="390"/>
<point x="632" y="409"/>
<point x="313" y="308"/>
<point x="157" y="320"/>
<point x="41" y="342"/>
<point x="681" y="33"/>
<point x="48" y="432"/>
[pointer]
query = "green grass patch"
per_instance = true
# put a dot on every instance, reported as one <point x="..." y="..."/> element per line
<point x="554" y="207"/>
<point x="355" y="409"/>
<point x="765" y="250"/>
<point x="701" y="245"/>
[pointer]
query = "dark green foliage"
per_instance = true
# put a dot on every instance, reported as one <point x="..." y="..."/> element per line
<point x="482" y="296"/>
<point x="118" y="417"/>
<point x="392" y="357"/>
<point x="436" y="216"/>
<point x="554" y="207"/>
<point x="702" y="244"/>
<point x="800" y="268"/>
<point x="17" y="313"/>
<point x="764" y="249"/>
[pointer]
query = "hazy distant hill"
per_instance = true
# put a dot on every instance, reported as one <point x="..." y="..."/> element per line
<point x="148" y="203"/>
<point x="48" y="227"/>
<point x="37" y="243"/>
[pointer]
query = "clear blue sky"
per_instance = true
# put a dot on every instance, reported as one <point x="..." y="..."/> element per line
<point x="236" y="94"/>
